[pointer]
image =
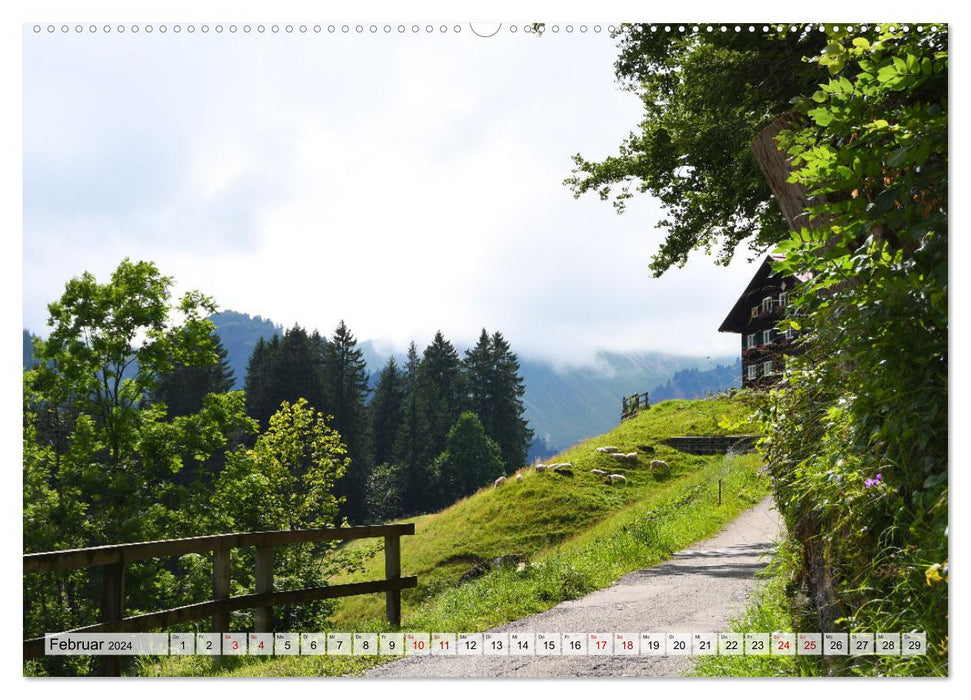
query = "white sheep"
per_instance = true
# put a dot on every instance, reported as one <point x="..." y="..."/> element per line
<point x="519" y="478"/>
<point x="659" y="464"/>
<point x="541" y="467"/>
<point x="598" y="472"/>
<point x="631" y="455"/>
<point x="499" y="482"/>
<point x="618" y="455"/>
<point x="607" y="449"/>
<point x="612" y="478"/>
<point x="565" y="465"/>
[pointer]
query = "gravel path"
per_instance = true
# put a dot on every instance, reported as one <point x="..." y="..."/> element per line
<point x="697" y="590"/>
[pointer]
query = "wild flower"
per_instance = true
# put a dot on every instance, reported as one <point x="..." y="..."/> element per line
<point x="870" y="483"/>
<point x="936" y="573"/>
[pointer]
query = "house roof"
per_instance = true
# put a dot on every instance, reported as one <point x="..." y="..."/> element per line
<point x="764" y="279"/>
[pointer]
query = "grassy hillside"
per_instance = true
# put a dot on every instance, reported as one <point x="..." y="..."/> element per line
<point x="579" y="534"/>
<point x="546" y="509"/>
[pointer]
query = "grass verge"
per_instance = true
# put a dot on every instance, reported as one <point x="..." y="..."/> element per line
<point x="774" y="608"/>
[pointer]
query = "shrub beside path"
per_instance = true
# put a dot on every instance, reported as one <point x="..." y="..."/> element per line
<point x="698" y="590"/>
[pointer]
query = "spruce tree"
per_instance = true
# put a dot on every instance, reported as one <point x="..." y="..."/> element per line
<point x="440" y="389"/>
<point x="412" y="449"/>
<point x="297" y="371"/>
<point x="386" y="411"/>
<point x="182" y="389"/>
<point x="346" y="390"/>
<point x="480" y="373"/>
<point x="507" y="423"/>
<point x="260" y="383"/>
<point x="495" y="394"/>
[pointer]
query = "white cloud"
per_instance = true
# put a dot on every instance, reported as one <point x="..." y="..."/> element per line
<point x="404" y="184"/>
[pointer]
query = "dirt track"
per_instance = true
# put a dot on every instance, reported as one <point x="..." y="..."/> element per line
<point x="697" y="590"/>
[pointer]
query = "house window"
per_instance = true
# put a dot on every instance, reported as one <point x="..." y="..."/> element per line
<point x="750" y="340"/>
<point x="755" y="311"/>
<point x="767" y="367"/>
<point x="767" y="304"/>
<point x="783" y="298"/>
<point x="752" y="371"/>
<point x="767" y="336"/>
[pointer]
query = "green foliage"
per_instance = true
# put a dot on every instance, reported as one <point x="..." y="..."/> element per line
<point x="495" y="394"/>
<point x="182" y="390"/>
<point x="286" y="368"/>
<point x="286" y="481"/>
<point x="386" y="489"/>
<point x="705" y="97"/>
<point x="105" y="462"/>
<point x="872" y="492"/>
<point x="387" y="411"/>
<point x="440" y="389"/>
<point x="471" y="460"/>
<point x="102" y="464"/>
<point x="856" y="434"/>
<point x="345" y="385"/>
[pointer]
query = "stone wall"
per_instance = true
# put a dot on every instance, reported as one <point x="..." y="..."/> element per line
<point x="713" y="444"/>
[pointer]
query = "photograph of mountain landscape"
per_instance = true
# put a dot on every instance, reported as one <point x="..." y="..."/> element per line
<point x="466" y="350"/>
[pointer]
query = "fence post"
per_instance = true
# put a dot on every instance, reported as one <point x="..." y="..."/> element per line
<point x="264" y="584"/>
<point x="112" y="609"/>
<point x="392" y="571"/>
<point x="220" y="587"/>
<point x="719" y="492"/>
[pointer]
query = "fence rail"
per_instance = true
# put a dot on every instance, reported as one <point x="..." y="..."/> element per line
<point x="631" y="405"/>
<point x="114" y="558"/>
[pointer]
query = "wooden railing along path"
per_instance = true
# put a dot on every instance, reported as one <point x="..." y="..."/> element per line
<point x="114" y="558"/>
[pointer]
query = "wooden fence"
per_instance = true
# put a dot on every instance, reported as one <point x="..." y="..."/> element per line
<point x="114" y="558"/>
<point x="634" y="403"/>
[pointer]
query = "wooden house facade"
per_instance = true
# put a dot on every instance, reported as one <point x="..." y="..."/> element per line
<point x="754" y="317"/>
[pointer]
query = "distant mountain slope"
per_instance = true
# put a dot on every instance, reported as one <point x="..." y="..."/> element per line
<point x="568" y="405"/>
<point x="695" y="384"/>
<point x="239" y="334"/>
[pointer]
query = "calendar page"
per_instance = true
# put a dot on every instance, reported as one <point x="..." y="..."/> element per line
<point x="407" y="344"/>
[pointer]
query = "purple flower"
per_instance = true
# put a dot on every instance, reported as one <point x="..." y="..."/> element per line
<point x="869" y="483"/>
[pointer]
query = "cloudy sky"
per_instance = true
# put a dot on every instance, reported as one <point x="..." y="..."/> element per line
<point x="401" y="182"/>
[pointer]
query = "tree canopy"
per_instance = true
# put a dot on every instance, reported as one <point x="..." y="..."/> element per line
<point x="705" y="97"/>
<point x="856" y="432"/>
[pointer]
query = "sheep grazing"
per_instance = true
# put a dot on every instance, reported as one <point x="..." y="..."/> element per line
<point x="598" y="472"/>
<point x="659" y="464"/>
<point x="499" y="482"/>
<point x="541" y="467"/>
<point x="615" y="478"/>
<point x="565" y="465"/>
<point x="607" y="449"/>
<point x="618" y="455"/>
<point x="631" y="455"/>
<point x="519" y="478"/>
